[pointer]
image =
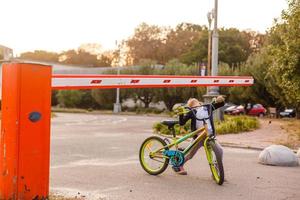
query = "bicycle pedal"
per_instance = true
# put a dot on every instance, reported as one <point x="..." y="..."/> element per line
<point x="181" y="149"/>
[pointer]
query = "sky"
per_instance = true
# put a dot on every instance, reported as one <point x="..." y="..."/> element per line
<point x="56" y="25"/>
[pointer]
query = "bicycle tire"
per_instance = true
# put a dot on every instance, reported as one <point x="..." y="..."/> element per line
<point x="144" y="165"/>
<point x="216" y="167"/>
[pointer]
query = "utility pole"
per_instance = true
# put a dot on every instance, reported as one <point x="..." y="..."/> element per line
<point x="213" y="91"/>
<point x="117" y="105"/>
<point x="215" y="45"/>
<point x="209" y="18"/>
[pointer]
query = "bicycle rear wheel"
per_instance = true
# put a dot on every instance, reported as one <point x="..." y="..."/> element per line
<point x="214" y="157"/>
<point x="157" y="163"/>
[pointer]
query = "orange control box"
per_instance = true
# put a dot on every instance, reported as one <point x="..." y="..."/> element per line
<point x="25" y="131"/>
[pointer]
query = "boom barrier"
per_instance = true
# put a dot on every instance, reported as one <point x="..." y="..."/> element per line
<point x="144" y="81"/>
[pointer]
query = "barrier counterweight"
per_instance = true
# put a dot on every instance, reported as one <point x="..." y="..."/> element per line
<point x="25" y="131"/>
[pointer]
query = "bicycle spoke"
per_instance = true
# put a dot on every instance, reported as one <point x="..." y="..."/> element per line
<point x="147" y="146"/>
<point x="158" y="160"/>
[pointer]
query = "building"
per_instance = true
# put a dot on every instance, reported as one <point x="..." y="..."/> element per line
<point x="5" y="53"/>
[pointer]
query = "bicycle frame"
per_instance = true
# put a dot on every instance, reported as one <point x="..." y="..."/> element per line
<point x="202" y="136"/>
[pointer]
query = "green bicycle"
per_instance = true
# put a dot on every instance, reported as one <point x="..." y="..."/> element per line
<point x="155" y="154"/>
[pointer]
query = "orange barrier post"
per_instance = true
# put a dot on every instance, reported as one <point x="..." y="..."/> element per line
<point x="25" y="131"/>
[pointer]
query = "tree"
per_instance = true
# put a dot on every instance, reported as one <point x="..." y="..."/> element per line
<point x="180" y="39"/>
<point x="104" y="97"/>
<point x="84" y="58"/>
<point x="234" y="47"/>
<point x="69" y="98"/>
<point x="146" y="43"/>
<point x="171" y="96"/>
<point x="285" y="54"/>
<point x="147" y="95"/>
<point x="197" y="52"/>
<point x="40" y="55"/>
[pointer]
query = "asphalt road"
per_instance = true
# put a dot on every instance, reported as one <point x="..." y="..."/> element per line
<point x="96" y="157"/>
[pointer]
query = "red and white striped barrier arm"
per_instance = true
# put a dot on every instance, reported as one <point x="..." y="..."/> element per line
<point x="144" y="81"/>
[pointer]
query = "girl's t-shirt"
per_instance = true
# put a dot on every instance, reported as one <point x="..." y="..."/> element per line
<point x="202" y="113"/>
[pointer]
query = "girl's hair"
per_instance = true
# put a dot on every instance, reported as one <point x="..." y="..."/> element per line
<point x="192" y="102"/>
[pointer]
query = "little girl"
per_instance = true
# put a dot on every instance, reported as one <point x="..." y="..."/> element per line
<point x="193" y="114"/>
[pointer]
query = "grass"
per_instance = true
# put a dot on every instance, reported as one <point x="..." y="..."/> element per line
<point x="69" y="110"/>
<point x="231" y="124"/>
<point x="292" y="128"/>
<point x="54" y="197"/>
<point x="61" y="197"/>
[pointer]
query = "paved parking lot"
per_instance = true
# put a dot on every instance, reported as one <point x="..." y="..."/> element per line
<point x="96" y="157"/>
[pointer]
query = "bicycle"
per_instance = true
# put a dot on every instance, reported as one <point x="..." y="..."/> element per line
<point x="155" y="154"/>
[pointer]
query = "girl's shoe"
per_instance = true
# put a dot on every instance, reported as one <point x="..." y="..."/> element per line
<point x="179" y="170"/>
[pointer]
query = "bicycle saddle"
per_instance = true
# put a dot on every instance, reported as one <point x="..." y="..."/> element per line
<point x="170" y="123"/>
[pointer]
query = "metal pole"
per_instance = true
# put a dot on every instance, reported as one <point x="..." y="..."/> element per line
<point x="117" y="105"/>
<point x="209" y="17"/>
<point x="214" y="91"/>
<point x="118" y="90"/>
<point x="215" y="45"/>
<point x="209" y="54"/>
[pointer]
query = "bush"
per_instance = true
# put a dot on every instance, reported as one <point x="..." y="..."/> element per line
<point x="236" y="124"/>
<point x="69" y="98"/>
<point x="179" y="130"/>
<point x="231" y="124"/>
<point x="76" y="99"/>
<point x="141" y="110"/>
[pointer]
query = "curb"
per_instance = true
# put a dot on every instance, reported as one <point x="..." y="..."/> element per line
<point x="231" y="145"/>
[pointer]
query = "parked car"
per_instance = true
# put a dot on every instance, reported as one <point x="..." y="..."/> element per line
<point x="257" y="110"/>
<point x="229" y="109"/>
<point x="288" y="113"/>
<point x="227" y="105"/>
<point x="235" y="110"/>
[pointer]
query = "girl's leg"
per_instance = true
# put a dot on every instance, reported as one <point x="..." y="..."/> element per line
<point x="193" y="151"/>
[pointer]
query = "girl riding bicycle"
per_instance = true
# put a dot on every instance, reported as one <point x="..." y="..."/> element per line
<point x="196" y="111"/>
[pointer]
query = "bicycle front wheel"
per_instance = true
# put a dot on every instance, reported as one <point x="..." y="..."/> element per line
<point x="153" y="163"/>
<point x="214" y="157"/>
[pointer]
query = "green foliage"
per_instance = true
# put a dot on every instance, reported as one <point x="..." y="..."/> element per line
<point x="236" y="124"/>
<point x="87" y="101"/>
<point x="171" y="96"/>
<point x="284" y="47"/>
<point x="82" y="57"/>
<point x="146" y="95"/>
<point x="148" y="111"/>
<point x="179" y="130"/>
<point x="161" y="44"/>
<point x="198" y="51"/>
<point x="146" y="43"/>
<point x="231" y="124"/>
<point x="75" y="99"/>
<point x="54" y="100"/>
<point x="105" y="98"/>
<point x="76" y="57"/>
<point x="69" y="98"/>
<point x="40" y="55"/>
<point x="256" y="66"/>
<point x="234" y="47"/>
